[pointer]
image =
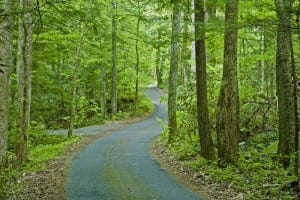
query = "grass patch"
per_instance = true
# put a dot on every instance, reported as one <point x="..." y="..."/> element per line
<point x="41" y="154"/>
<point x="42" y="149"/>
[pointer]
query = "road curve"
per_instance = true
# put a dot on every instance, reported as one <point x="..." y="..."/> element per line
<point x="120" y="167"/>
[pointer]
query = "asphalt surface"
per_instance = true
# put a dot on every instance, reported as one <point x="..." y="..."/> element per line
<point x="120" y="167"/>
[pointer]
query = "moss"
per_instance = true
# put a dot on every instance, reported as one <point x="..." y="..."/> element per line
<point x="127" y="185"/>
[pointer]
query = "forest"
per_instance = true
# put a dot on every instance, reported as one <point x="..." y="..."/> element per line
<point x="229" y="70"/>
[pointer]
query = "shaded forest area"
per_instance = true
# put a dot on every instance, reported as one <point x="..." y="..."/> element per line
<point x="229" y="67"/>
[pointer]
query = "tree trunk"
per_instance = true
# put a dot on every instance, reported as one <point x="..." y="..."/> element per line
<point x="207" y="149"/>
<point x="184" y="51"/>
<point x="103" y="90"/>
<point x="75" y="72"/>
<point x="284" y="82"/>
<point x="173" y="70"/>
<point x="296" y="106"/>
<point x="262" y="64"/>
<point x="114" y="81"/>
<point x="137" y="66"/>
<point x="24" y="65"/>
<point x="295" y="97"/>
<point x="227" y="125"/>
<point x="158" y="63"/>
<point x="6" y="37"/>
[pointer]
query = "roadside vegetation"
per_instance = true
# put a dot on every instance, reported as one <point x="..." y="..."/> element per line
<point x="44" y="147"/>
<point x="258" y="172"/>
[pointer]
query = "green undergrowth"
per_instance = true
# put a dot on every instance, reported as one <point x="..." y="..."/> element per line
<point x="42" y="149"/>
<point x="257" y="173"/>
<point x="127" y="110"/>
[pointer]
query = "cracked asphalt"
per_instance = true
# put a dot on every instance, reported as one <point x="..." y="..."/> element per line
<point x="120" y="167"/>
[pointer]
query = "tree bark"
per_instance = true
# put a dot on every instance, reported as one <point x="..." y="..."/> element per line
<point x="173" y="70"/>
<point x="114" y="89"/>
<point x="227" y="125"/>
<point x="6" y="38"/>
<point x="24" y="68"/>
<point x="158" y="63"/>
<point x="103" y="90"/>
<point x="284" y="84"/>
<point x="184" y="51"/>
<point x="207" y="149"/>
<point x="296" y="106"/>
<point x="137" y="54"/>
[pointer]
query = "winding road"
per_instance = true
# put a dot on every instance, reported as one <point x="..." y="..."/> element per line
<point x="120" y="167"/>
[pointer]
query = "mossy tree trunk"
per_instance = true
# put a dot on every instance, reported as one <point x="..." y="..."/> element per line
<point x="24" y="68"/>
<point x="158" y="62"/>
<point x="284" y="84"/>
<point x="227" y="125"/>
<point x="174" y="62"/>
<point x="6" y="36"/>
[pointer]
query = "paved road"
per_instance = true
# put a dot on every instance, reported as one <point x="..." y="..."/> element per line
<point x="120" y="167"/>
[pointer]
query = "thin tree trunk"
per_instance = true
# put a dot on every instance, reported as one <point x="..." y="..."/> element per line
<point x="207" y="149"/>
<point x="137" y="67"/>
<point x="184" y="51"/>
<point x="284" y="82"/>
<point x="228" y="104"/>
<point x="24" y="66"/>
<point x="114" y="81"/>
<point x="75" y="72"/>
<point x="262" y="62"/>
<point x="6" y="38"/>
<point x="158" y="63"/>
<point x="173" y="70"/>
<point x="103" y="90"/>
<point x="297" y="112"/>
<point x="295" y="96"/>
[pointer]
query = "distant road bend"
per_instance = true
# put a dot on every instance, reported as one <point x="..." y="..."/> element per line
<point x="120" y="167"/>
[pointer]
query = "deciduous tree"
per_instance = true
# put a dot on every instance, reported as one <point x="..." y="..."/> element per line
<point x="174" y="62"/>
<point x="207" y="149"/>
<point x="114" y="79"/>
<point x="284" y="82"/>
<point x="228" y="103"/>
<point x="6" y="36"/>
<point x="24" y="69"/>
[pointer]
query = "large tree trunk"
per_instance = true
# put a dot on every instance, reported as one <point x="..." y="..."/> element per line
<point x="228" y="104"/>
<point x="75" y="72"/>
<point x="173" y="70"/>
<point x="207" y="149"/>
<point x="284" y="83"/>
<point x="24" y="67"/>
<point x="6" y="26"/>
<point x="114" y="81"/>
